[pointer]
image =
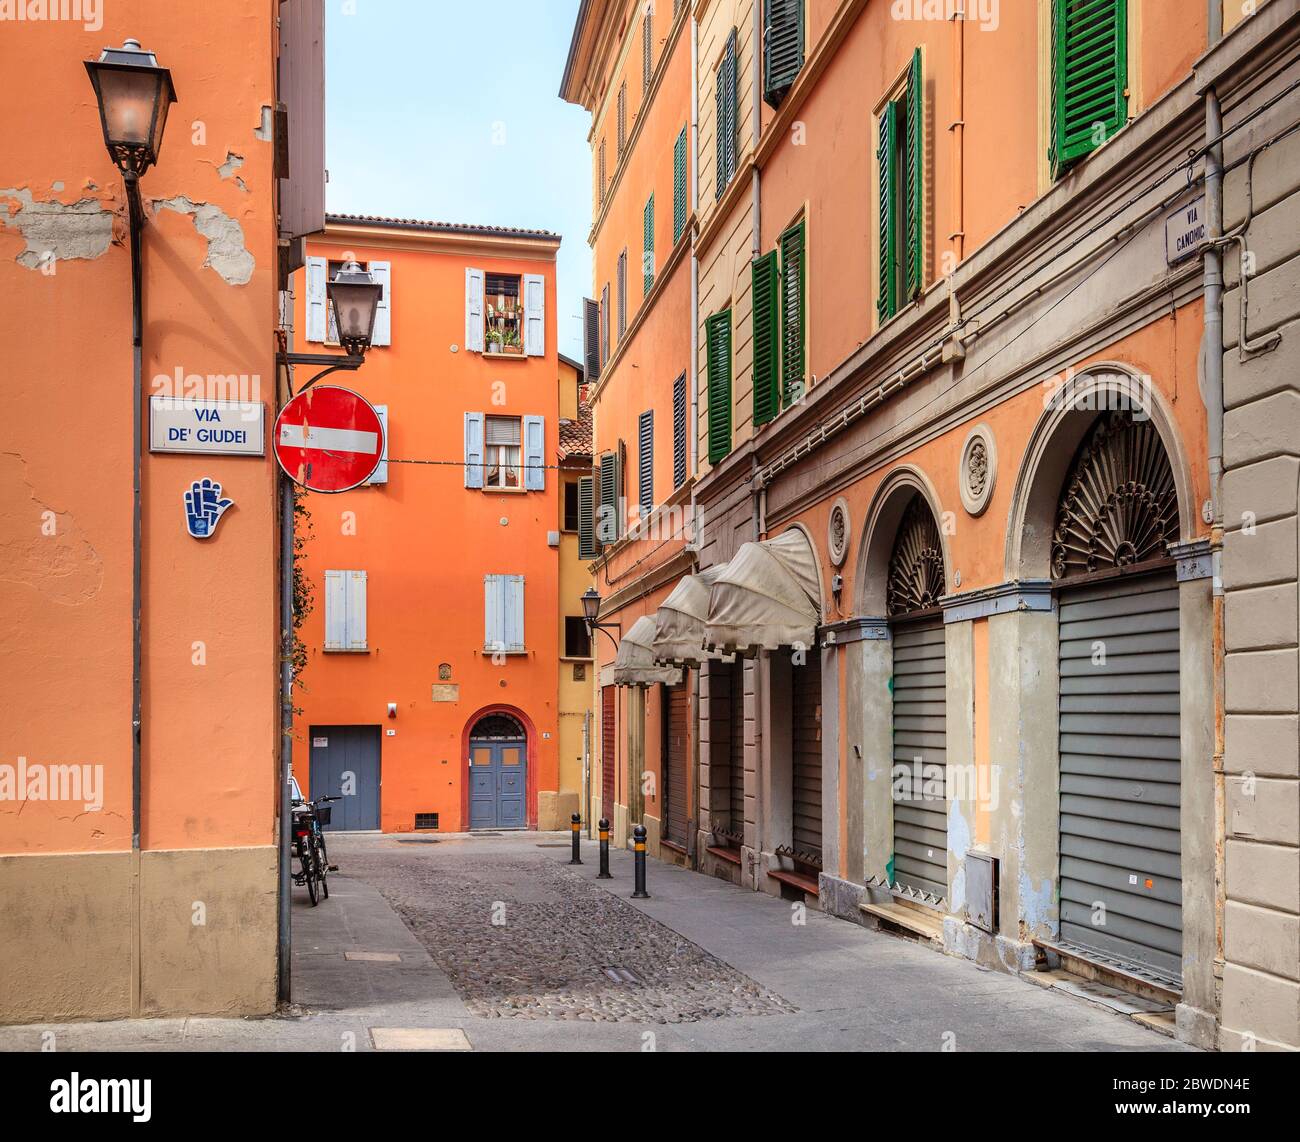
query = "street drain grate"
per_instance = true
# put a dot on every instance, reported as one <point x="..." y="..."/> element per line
<point x="418" y="841"/>
<point x="621" y="975"/>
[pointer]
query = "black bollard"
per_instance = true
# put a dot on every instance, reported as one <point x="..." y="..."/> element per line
<point x="603" y="874"/>
<point x="577" y="838"/>
<point x="638" y="852"/>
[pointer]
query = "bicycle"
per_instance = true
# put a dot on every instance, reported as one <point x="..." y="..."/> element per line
<point x="309" y="847"/>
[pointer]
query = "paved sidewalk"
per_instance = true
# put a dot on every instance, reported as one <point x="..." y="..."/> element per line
<point x="702" y="955"/>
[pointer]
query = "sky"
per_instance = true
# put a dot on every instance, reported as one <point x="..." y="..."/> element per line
<point x="448" y="111"/>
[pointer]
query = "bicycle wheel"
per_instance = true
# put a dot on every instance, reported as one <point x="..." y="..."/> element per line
<point x="322" y="865"/>
<point x="309" y="874"/>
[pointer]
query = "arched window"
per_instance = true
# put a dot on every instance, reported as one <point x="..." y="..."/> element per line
<point x="498" y="727"/>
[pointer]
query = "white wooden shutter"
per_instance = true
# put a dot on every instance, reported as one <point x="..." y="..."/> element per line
<point x="317" y="272"/>
<point x="534" y="315"/>
<point x="383" y="274"/>
<point x="356" y="590"/>
<point x="381" y="472"/>
<point x="336" y="610"/>
<point x="534" y="453"/>
<point x="474" y="424"/>
<point x="473" y="311"/>
<point x="513" y="611"/>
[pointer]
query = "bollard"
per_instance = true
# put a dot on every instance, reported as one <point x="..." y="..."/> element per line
<point x="577" y="838"/>
<point x="603" y="874"/>
<point x="638" y="835"/>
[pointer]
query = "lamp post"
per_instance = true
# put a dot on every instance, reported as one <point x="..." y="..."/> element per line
<point x="354" y="296"/>
<point x="134" y="95"/>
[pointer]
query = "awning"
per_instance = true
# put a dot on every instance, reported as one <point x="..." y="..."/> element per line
<point x="635" y="665"/>
<point x="767" y="597"/>
<point x="679" y="624"/>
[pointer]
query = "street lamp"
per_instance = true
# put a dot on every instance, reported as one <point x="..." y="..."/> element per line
<point x="591" y="609"/>
<point x="354" y="294"/>
<point x="134" y="94"/>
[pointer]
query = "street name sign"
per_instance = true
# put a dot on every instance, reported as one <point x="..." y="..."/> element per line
<point x="206" y="427"/>
<point x="328" y="439"/>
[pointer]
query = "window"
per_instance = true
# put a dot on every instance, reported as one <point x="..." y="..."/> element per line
<point x="345" y="611"/>
<point x="622" y="120"/>
<point x="505" y="314"/>
<point x="717" y="333"/>
<point x="622" y="295"/>
<point x="648" y="246"/>
<point x="321" y="325"/>
<point x="503" y="614"/>
<point x="647" y="48"/>
<point x="901" y="231"/>
<point x="577" y="639"/>
<point x="571" y="505"/>
<point x="591" y="337"/>
<point x="505" y="452"/>
<point x="501" y="458"/>
<point x="679" y="186"/>
<point x="782" y="47"/>
<point x="645" y="436"/>
<point x="727" y="110"/>
<point x="1089" y="77"/>
<point x="679" y="431"/>
<point x="587" y="548"/>
<point x="792" y="314"/>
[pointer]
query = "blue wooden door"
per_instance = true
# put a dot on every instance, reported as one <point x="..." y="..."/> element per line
<point x="498" y="780"/>
<point x="345" y="763"/>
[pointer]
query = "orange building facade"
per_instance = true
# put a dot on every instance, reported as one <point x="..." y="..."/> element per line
<point x="955" y="654"/>
<point x="143" y="880"/>
<point x="429" y="698"/>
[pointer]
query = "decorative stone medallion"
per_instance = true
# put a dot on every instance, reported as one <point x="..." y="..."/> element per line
<point x="978" y="470"/>
<point x="838" y="531"/>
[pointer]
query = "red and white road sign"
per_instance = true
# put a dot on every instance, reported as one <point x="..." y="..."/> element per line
<point x="328" y="439"/>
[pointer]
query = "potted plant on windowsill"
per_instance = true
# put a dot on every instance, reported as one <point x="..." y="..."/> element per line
<point x="494" y="339"/>
<point x="510" y="342"/>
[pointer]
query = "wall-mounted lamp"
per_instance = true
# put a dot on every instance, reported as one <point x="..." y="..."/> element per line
<point x="392" y="709"/>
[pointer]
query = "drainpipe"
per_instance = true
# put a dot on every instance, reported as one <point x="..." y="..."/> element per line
<point x="958" y="129"/>
<point x="137" y="561"/>
<point x="283" y="911"/>
<point x="693" y="443"/>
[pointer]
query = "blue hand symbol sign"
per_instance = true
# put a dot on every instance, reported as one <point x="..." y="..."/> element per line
<point x="204" y="508"/>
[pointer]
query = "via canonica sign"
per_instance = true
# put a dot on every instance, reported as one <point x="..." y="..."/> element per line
<point x="1185" y="230"/>
<point x="206" y="427"/>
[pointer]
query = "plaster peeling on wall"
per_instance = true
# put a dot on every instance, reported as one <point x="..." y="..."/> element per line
<point x="39" y="547"/>
<point x="266" y="132"/>
<point x="1036" y="906"/>
<point x="230" y="166"/>
<point x="958" y="844"/>
<point x="226" y="251"/>
<point x="82" y="229"/>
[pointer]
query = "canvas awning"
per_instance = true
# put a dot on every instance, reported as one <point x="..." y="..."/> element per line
<point x="767" y="597"/>
<point x="635" y="664"/>
<point x="679" y="623"/>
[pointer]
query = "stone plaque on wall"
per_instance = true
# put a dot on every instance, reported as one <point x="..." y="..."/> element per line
<point x="446" y="692"/>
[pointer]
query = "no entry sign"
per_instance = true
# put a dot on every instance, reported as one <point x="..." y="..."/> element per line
<point x="328" y="439"/>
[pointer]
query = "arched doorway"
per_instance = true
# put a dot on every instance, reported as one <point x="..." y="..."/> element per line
<point x="1117" y="599"/>
<point x="915" y="584"/>
<point x="498" y="773"/>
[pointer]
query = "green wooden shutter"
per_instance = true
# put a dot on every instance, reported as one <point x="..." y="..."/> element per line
<point x="914" y="182"/>
<point x="767" y="337"/>
<point x="1089" y="76"/>
<point x="792" y="314"/>
<point x="679" y="186"/>
<point x="887" y="301"/>
<point x="727" y="108"/>
<point x="607" y="517"/>
<point x="587" y="548"/>
<point x="782" y="47"/>
<point x="648" y="246"/>
<point x="717" y="333"/>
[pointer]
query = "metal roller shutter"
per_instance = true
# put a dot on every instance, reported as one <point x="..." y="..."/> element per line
<point x="920" y="800"/>
<point x="607" y="753"/>
<point x="806" y="735"/>
<point x="1121" y="887"/>
<point x="736" y="775"/>
<point x="677" y="712"/>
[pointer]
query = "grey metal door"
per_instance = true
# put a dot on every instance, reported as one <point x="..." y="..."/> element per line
<point x="806" y="760"/>
<point x="345" y="763"/>
<point x="736" y="770"/>
<point x="676" y="719"/>
<point x="498" y="779"/>
<point x="920" y="778"/>
<point x="1121" y="887"/>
